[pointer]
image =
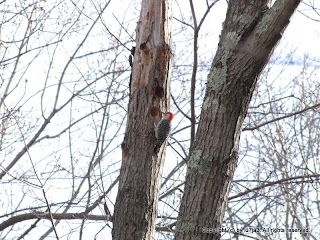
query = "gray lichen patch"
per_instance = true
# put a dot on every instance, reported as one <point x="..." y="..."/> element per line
<point x="269" y="18"/>
<point x="205" y="165"/>
<point x="190" y="224"/>
<point x="209" y="102"/>
<point x="264" y="24"/>
<point x="217" y="78"/>
<point x="194" y="159"/>
<point x="206" y="103"/>
<point x="218" y="74"/>
<point x="231" y="40"/>
<point x="246" y="18"/>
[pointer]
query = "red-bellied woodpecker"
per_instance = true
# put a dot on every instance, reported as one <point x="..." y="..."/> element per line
<point x="163" y="130"/>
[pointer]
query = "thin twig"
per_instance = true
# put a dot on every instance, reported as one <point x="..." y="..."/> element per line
<point x="273" y="183"/>
<point x="194" y="75"/>
<point x="281" y="118"/>
<point x="180" y="110"/>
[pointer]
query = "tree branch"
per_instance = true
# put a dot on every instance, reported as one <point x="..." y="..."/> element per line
<point x="281" y="118"/>
<point x="273" y="183"/>
<point x="45" y="215"/>
<point x="194" y="75"/>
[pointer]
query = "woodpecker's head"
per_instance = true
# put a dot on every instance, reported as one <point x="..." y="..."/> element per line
<point x="168" y="115"/>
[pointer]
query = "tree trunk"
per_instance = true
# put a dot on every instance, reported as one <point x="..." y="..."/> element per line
<point x="140" y="175"/>
<point x="250" y="33"/>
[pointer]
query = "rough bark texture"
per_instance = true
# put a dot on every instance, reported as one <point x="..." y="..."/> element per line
<point x="250" y="33"/>
<point x="136" y="205"/>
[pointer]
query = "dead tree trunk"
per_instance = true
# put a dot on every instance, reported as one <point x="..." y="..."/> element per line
<point x="250" y="33"/>
<point x="136" y="205"/>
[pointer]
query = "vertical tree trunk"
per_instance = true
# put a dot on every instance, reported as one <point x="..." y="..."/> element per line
<point x="250" y="33"/>
<point x="136" y="205"/>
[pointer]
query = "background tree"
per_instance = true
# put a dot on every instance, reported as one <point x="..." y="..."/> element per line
<point x="250" y="33"/>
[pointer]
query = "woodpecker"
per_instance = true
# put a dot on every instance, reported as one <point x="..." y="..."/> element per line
<point x="162" y="130"/>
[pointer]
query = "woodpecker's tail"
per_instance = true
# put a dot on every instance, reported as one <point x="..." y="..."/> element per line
<point x="156" y="149"/>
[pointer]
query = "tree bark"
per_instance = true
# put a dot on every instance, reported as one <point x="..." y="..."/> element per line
<point x="250" y="33"/>
<point x="136" y="205"/>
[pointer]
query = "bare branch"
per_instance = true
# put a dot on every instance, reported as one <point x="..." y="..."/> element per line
<point x="281" y="181"/>
<point x="281" y="118"/>
<point x="45" y="215"/>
